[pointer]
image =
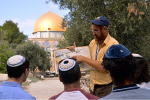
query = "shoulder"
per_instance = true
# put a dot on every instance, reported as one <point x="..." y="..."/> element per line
<point x="55" y="96"/>
<point x="89" y="96"/>
<point x="110" y="41"/>
<point x="25" y="95"/>
<point x="143" y="91"/>
<point x="17" y="93"/>
<point x="129" y="94"/>
<point x="113" y="40"/>
<point x="92" y="43"/>
<point x="110" y="96"/>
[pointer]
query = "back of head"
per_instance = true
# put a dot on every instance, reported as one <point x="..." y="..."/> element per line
<point x="142" y="70"/>
<point x="16" y="66"/>
<point x="120" y="63"/>
<point x="69" y="71"/>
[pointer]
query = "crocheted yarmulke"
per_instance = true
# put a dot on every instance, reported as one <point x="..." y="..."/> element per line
<point x="15" y="61"/>
<point x="67" y="64"/>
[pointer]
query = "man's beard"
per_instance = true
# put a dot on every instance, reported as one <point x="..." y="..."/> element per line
<point x="97" y="38"/>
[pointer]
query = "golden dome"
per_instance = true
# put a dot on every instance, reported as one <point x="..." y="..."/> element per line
<point x="49" y="21"/>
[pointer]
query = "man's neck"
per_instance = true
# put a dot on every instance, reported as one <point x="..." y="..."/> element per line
<point x="125" y="83"/>
<point x="72" y="86"/>
<point x="101" y="42"/>
<point x="15" y="80"/>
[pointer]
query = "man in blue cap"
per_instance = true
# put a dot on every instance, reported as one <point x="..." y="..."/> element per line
<point x="122" y="66"/>
<point x="101" y="83"/>
<point x="18" y="70"/>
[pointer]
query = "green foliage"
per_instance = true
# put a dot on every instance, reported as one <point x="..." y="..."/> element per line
<point x="146" y="48"/>
<point x="126" y="22"/>
<point x="9" y="33"/>
<point x="63" y="44"/>
<point x="3" y="34"/>
<point x="13" y="45"/>
<point x="36" y="55"/>
<point x="12" y="33"/>
<point x="5" y="53"/>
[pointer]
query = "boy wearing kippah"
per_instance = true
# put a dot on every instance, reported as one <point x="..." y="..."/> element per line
<point x="122" y="66"/>
<point x="69" y="75"/>
<point x="18" y="70"/>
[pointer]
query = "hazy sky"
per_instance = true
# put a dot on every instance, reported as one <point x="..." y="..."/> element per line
<point x="26" y="12"/>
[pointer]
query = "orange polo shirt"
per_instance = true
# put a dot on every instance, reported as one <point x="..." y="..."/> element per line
<point x="96" y="76"/>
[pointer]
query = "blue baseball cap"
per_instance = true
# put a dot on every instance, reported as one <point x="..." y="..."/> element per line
<point x="117" y="51"/>
<point x="101" y="21"/>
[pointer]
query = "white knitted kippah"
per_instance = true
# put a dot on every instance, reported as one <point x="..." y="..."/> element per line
<point x="15" y="61"/>
<point x="67" y="64"/>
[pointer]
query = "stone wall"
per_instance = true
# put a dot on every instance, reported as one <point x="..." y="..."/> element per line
<point x="85" y="83"/>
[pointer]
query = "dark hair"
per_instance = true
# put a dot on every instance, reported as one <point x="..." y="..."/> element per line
<point x="120" y="69"/>
<point x="16" y="72"/>
<point x="142" y="71"/>
<point x="70" y="76"/>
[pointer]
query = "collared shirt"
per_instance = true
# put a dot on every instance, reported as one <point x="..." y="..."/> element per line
<point x="128" y="92"/>
<point x="125" y="87"/>
<point x="13" y="90"/>
<point x="96" y="76"/>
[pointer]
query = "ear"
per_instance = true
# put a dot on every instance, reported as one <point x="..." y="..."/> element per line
<point x="60" y="78"/>
<point x="26" y="72"/>
<point x="104" y="28"/>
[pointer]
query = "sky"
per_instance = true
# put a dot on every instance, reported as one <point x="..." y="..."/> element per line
<point x="26" y="12"/>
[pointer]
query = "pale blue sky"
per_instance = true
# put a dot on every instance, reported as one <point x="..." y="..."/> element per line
<point x="26" y="12"/>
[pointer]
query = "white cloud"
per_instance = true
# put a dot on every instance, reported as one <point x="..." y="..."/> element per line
<point x="26" y="26"/>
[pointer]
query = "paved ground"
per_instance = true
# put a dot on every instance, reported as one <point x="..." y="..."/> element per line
<point x="45" y="89"/>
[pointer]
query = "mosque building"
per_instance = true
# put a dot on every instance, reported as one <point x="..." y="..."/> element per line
<point x="48" y="32"/>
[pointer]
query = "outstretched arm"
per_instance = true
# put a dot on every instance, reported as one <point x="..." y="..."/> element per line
<point x="93" y="63"/>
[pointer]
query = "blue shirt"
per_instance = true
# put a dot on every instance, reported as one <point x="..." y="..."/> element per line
<point x="13" y="90"/>
<point x="128" y="92"/>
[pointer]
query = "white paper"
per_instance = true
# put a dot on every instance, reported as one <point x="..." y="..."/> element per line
<point x="65" y="53"/>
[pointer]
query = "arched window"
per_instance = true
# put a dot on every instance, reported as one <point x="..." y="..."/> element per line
<point x="55" y="44"/>
<point x="46" y="44"/>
